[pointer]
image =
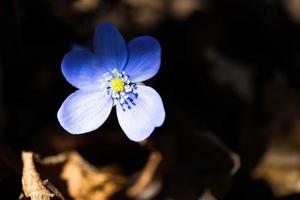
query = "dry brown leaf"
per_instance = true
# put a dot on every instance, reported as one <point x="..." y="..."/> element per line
<point x="86" y="182"/>
<point x="84" y="6"/>
<point x="184" y="8"/>
<point x="280" y="166"/>
<point x="293" y="9"/>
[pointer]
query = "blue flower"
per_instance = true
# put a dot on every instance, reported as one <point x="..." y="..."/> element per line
<point x="111" y="76"/>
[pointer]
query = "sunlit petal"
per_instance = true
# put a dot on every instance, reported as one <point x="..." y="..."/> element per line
<point x="84" y="111"/>
<point x="139" y="121"/>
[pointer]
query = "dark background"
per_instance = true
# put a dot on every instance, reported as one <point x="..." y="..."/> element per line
<point x="230" y="68"/>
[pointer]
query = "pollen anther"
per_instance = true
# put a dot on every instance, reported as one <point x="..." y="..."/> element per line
<point x="117" y="85"/>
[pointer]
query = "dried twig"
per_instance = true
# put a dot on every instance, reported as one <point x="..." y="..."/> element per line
<point x="33" y="187"/>
<point x="32" y="184"/>
<point x="234" y="156"/>
<point x="146" y="175"/>
<point x="51" y="160"/>
<point x="53" y="189"/>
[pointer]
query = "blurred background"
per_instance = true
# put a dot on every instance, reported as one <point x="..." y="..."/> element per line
<point x="229" y="79"/>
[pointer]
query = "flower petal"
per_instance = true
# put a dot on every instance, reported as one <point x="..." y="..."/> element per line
<point x="144" y="58"/>
<point x="84" y="111"/>
<point x="110" y="47"/>
<point x="80" y="69"/>
<point x="139" y="121"/>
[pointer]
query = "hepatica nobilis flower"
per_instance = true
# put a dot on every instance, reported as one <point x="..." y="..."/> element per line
<point x="111" y="76"/>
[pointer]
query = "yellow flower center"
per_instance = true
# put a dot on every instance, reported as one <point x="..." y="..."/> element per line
<point x="117" y="85"/>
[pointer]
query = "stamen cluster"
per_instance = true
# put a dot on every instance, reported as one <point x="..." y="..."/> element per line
<point x="119" y="87"/>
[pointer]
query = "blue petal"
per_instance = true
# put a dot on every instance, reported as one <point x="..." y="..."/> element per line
<point x="139" y="121"/>
<point x="144" y="58"/>
<point x="110" y="47"/>
<point x="81" y="70"/>
<point x="84" y="111"/>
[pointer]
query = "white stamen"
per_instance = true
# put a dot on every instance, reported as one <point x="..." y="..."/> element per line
<point x="119" y="96"/>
